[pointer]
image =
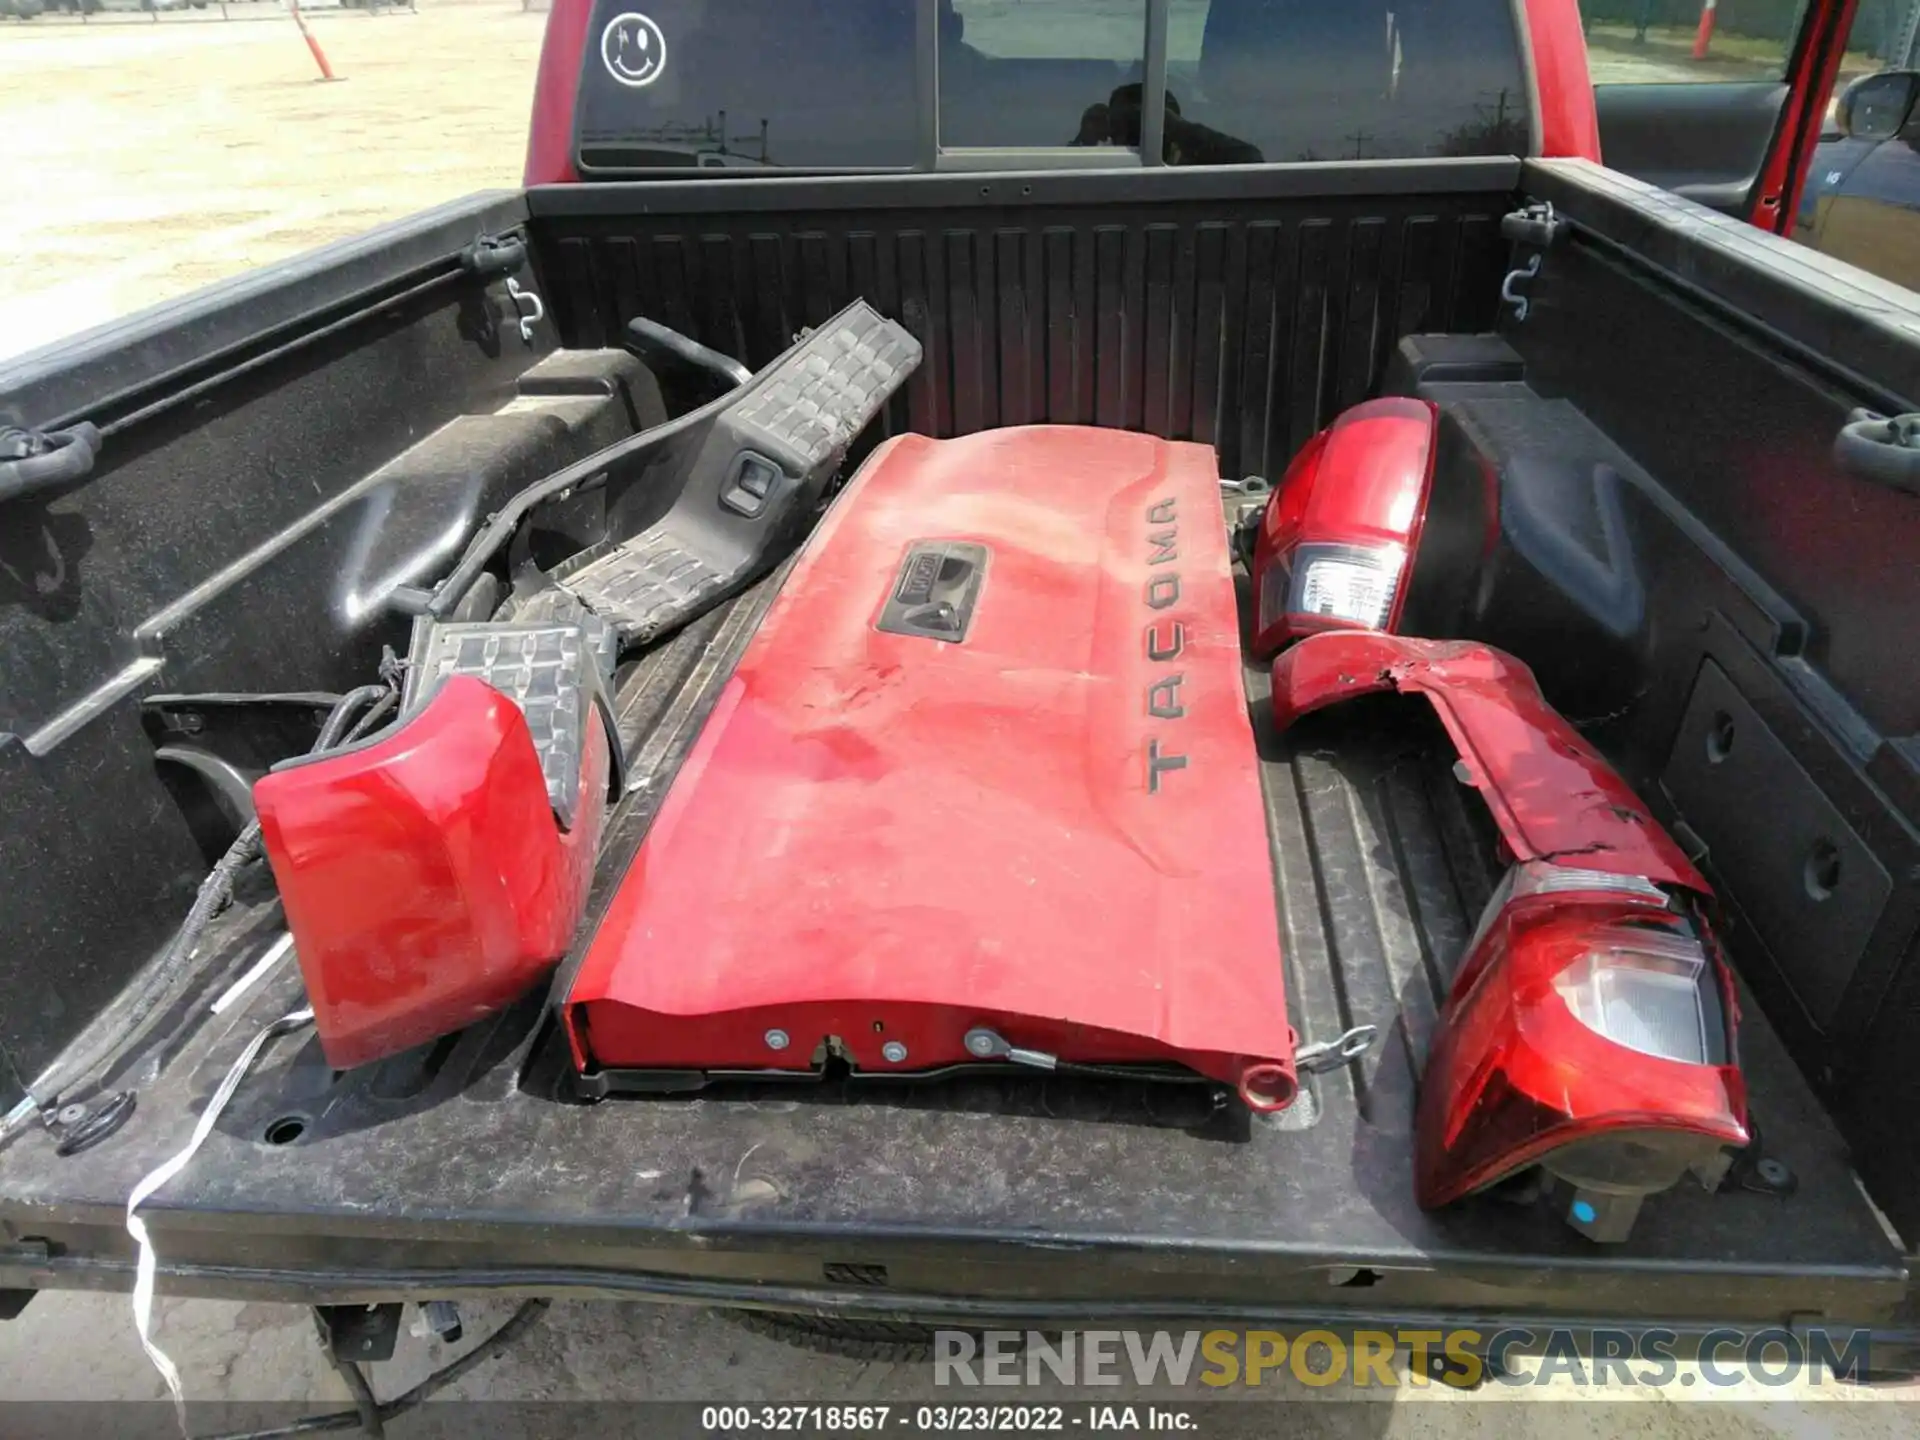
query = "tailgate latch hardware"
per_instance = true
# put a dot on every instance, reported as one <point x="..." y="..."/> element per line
<point x="1533" y="226"/>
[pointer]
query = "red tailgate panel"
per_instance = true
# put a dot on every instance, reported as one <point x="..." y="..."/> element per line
<point x="1052" y="828"/>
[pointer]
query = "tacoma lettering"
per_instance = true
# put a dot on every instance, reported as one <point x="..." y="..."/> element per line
<point x="1168" y="649"/>
<point x="1165" y="640"/>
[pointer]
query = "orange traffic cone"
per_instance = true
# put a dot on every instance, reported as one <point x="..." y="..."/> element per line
<point x="319" y="55"/>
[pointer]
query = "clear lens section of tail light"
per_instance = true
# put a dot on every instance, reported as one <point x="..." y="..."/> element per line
<point x="1353" y="584"/>
<point x="1543" y="878"/>
<point x="1540" y="878"/>
<point x="1644" y="994"/>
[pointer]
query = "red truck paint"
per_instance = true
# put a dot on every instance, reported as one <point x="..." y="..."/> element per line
<point x="1569" y="120"/>
<point x="1816" y="67"/>
<point x="424" y="877"/>
<point x="1552" y="795"/>
<point x="556" y="86"/>
<point x="1053" y="829"/>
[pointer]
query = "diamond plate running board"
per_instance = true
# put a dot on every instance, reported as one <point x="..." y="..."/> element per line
<point x="754" y="482"/>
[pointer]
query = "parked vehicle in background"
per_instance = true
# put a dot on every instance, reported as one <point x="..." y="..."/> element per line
<point x="1694" y="108"/>
<point x="1862" y="201"/>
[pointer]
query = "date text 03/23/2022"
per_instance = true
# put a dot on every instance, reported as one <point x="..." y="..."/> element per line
<point x="943" y="1419"/>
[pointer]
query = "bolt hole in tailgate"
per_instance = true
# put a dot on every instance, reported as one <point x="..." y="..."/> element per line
<point x="1264" y="306"/>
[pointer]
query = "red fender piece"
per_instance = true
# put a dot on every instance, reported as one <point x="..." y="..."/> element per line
<point x="1552" y="795"/>
<point x="425" y="879"/>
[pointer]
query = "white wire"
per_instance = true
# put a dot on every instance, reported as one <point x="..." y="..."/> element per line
<point x="255" y="972"/>
<point x="143" y="1274"/>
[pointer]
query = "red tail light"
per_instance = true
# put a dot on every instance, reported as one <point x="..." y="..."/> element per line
<point x="1590" y="1032"/>
<point x="1337" y="539"/>
<point x="425" y="879"/>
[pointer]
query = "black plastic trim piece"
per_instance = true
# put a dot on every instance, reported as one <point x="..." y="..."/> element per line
<point x="1153" y="90"/>
<point x="926" y="66"/>
<point x="1836" y="319"/>
<point x="935" y="591"/>
<point x="91" y="371"/>
<point x="1729" y="128"/>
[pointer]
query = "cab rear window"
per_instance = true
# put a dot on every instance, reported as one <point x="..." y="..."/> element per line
<point x="789" y="83"/>
<point x="1343" y="80"/>
<point x="840" y="84"/>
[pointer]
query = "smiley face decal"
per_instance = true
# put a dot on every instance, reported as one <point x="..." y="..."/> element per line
<point x="633" y="49"/>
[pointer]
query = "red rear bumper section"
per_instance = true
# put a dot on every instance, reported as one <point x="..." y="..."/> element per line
<point x="1550" y="792"/>
<point x="983" y="787"/>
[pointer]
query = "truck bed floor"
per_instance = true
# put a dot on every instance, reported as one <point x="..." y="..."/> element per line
<point x="454" y="1167"/>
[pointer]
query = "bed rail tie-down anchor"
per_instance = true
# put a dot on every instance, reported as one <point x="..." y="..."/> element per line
<point x="1536" y="227"/>
<point x="530" y="306"/>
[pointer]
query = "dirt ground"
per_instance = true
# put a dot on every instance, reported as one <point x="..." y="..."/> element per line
<point x="146" y="159"/>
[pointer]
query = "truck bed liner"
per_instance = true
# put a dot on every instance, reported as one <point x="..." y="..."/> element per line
<point x="455" y="1168"/>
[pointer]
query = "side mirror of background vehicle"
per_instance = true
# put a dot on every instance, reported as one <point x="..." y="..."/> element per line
<point x="1876" y="107"/>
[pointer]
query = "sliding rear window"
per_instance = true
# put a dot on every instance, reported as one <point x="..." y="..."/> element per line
<point x="1343" y="80"/>
<point x="837" y="84"/>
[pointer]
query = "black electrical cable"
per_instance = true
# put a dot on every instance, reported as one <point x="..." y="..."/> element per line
<point x="385" y="1412"/>
<point x="372" y="720"/>
<point x="161" y="982"/>
<point x="346" y="712"/>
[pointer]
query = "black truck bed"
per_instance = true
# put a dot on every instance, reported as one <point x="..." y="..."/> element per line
<point x="456" y="1168"/>
<point x="261" y="436"/>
